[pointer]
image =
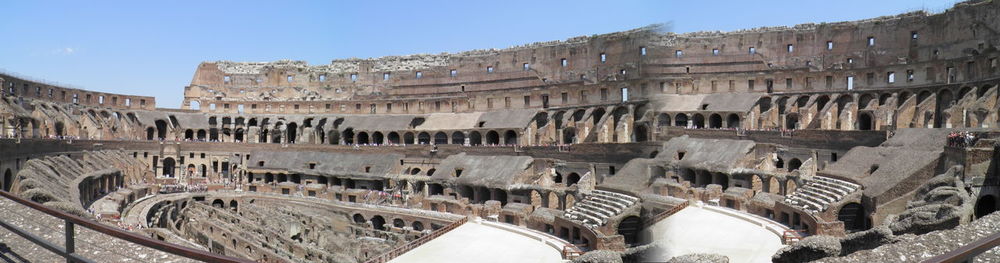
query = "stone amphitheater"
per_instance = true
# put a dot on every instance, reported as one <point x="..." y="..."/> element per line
<point x="859" y="141"/>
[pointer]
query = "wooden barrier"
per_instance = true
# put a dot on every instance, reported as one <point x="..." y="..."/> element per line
<point x="395" y="252"/>
<point x="663" y="215"/>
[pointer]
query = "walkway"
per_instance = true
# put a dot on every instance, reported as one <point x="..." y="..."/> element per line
<point x="702" y="230"/>
<point x="473" y="242"/>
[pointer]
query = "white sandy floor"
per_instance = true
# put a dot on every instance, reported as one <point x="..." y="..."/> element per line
<point x="697" y="230"/>
<point x="473" y="242"/>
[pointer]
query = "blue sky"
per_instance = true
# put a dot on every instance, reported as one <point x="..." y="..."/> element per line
<point x="153" y="48"/>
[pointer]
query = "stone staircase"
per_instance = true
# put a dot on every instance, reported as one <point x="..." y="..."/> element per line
<point x="595" y="208"/>
<point x="819" y="192"/>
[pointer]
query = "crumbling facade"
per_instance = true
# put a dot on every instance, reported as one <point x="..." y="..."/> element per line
<point x="827" y="129"/>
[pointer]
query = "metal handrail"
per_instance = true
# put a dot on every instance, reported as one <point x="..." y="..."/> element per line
<point x="967" y="252"/>
<point x="71" y="220"/>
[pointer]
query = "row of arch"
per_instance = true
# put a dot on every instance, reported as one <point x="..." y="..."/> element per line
<point x="697" y="120"/>
<point x="492" y="137"/>
<point x="378" y="222"/>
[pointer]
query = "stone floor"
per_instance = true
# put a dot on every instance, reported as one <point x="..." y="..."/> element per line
<point x="698" y="230"/>
<point x="90" y="244"/>
<point x="472" y="242"/>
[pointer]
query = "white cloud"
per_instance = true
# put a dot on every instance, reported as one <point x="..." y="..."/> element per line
<point x="64" y="51"/>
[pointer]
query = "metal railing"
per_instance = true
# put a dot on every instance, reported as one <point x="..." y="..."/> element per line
<point x="69" y="251"/>
<point x="967" y="252"/>
<point x="395" y="252"/>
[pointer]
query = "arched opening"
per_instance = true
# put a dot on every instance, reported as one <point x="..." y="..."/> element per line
<point x="360" y="219"/>
<point x="641" y="133"/>
<point x="984" y="206"/>
<point x="348" y="136"/>
<point x="424" y="138"/>
<point x="714" y="121"/>
<point x="681" y="120"/>
<point x="333" y="137"/>
<point x="394" y="138"/>
<point x="417" y="226"/>
<point x="363" y="138"/>
<point x="202" y="135"/>
<point x="510" y="137"/>
<point x="721" y="179"/>
<point x="8" y="180"/>
<point x="238" y="136"/>
<point x="233" y="205"/>
<point x="378" y="222"/>
<point x="663" y="120"/>
<point x="492" y="138"/>
<point x="699" y="121"/>
<point x="218" y="203"/>
<point x="213" y="134"/>
<point x="475" y="138"/>
<point x="408" y="138"/>
<point x="794" y="164"/>
<point x="292" y="130"/>
<point x="792" y="121"/>
<point x="597" y="115"/>
<point x="398" y="223"/>
<point x="629" y="229"/>
<point x="378" y="138"/>
<point x="572" y="178"/>
<point x="733" y="121"/>
<point x="150" y="133"/>
<point x="188" y="134"/>
<point x="457" y="138"/>
<point x="440" y="138"/>
<point x="865" y="122"/>
<point x="569" y="135"/>
<point x="161" y="129"/>
<point x="853" y="216"/>
<point x="780" y="163"/>
<point x="558" y="178"/>
<point x="168" y="166"/>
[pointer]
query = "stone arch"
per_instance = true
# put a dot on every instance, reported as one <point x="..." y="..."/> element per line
<point x="865" y="100"/>
<point x="790" y="186"/>
<point x="681" y="120"/>
<point x="733" y="121"/>
<point x="629" y="229"/>
<point x="218" y="203"/>
<point x="536" y="199"/>
<point x="986" y="205"/>
<point x="378" y="222"/>
<point x="475" y="138"/>
<point x="378" y="138"/>
<point x="853" y="216"/>
<point x="150" y="133"/>
<point x="554" y="201"/>
<point x="233" y="205"/>
<point x="721" y="179"/>
<point x="774" y="186"/>
<point x="794" y="164"/>
<point x="510" y="137"/>
<point x="756" y="184"/>
<point x="363" y="138"/>
<point x="597" y="115"/>
<point x="458" y="137"/>
<point x="865" y="121"/>
<point x="569" y="135"/>
<point x="715" y="121"/>
<point x="902" y="98"/>
<point x="360" y="219"/>
<point x="161" y="129"/>
<point x="440" y="138"/>
<point x="699" y="121"/>
<point x="417" y="226"/>
<point x="641" y="133"/>
<point x="424" y="138"/>
<point x="572" y="178"/>
<point x="188" y="134"/>
<point x="398" y="223"/>
<point x="663" y="120"/>
<point x="8" y="180"/>
<point x="292" y="130"/>
<point x="394" y="138"/>
<point x="168" y="166"/>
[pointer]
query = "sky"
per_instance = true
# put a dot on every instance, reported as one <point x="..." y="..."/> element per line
<point x="152" y="48"/>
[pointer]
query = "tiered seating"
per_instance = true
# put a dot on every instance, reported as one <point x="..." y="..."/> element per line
<point x="595" y="208"/>
<point x="818" y="193"/>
